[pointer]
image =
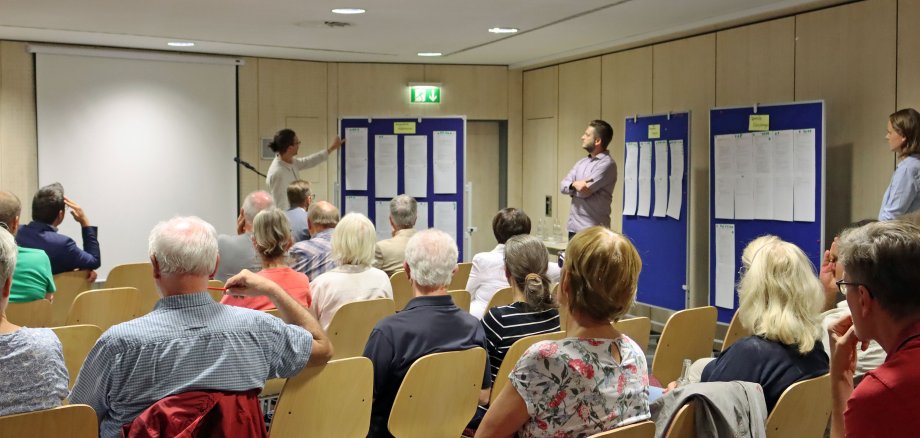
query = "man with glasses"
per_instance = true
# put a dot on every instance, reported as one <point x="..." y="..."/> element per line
<point x="300" y="198"/>
<point x="881" y="275"/>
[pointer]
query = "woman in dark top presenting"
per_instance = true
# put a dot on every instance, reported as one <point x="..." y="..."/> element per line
<point x="780" y="300"/>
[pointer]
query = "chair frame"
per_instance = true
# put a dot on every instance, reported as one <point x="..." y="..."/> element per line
<point x="688" y="334"/>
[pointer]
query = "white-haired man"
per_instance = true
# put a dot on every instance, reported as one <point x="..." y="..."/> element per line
<point x="189" y="342"/>
<point x="236" y="252"/>
<point x="314" y="257"/>
<point x="391" y="253"/>
<point x="430" y="323"/>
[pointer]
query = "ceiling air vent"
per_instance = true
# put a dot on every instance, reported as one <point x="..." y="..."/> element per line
<point x="335" y="24"/>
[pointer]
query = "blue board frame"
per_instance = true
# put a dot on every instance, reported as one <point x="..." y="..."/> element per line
<point x="423" y="126"/>
<point x="808" y="236"/>
<point x="662" y="241"/>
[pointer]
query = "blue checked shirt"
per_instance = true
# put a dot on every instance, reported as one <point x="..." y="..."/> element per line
<point x="187" y="343"/>
<point x="314" y="256"/>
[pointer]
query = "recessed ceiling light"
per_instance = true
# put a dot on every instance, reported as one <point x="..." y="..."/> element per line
<point x="180" y="43"/>
<point x="348" y="11"/>
<point x="503" y="30"/>
<point x="429" y="53"/>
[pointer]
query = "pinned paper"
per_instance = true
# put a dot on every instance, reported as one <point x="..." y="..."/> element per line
<point x="404" y="127"/>
<point x="654" y="131"/>
<point x="725" y="266"/>
<point x="759" y="122"/>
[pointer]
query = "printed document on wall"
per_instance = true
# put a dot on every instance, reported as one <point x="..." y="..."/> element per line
<point x="445" y="162"/>
<point x="356" y="204"/>
<point x="645" y="178"/>
<point x="445" y="218"/>
<point x="421" y="219"/>
<point x="661" y="178"/>
<point x="744" y="176"/>
<point x="804" y="185"/>
<point x="415" y="172"/>
<point x="356" y="165"/>
<point x="725" y="266"/>
<point x="763" y="176"/>
<point x="385" y="166"/>
<point x="782" y="175"/>
<point x="631" y="179"/>
<point x="382" y="220"/>
<point x="676" y="186"/>
<point x="725" y="176"/>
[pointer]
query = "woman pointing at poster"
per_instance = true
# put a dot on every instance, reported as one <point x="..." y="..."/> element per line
<point x="286" y="167"/>
<point x="903" y="193"/>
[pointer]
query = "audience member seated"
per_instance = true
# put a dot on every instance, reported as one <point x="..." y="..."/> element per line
<point x="271" y="238"/>
<point x="34" y="374"/>
<point x="32" y="278"/>
<point x="236" y="252"/>
<point x="779" y="301"/>
<point x="313" y="257"/>
<point x="430" y="323"/>
<point x="487" y="275"/>
<point x="47" y="214"/>
<point x="353" y="278"/>
<point x="189" y="342"/>
<point x="391" y="253"/>
<point x="880" y="281"/>
<point x="594" y="380"/>
<point x="300" y="198"/>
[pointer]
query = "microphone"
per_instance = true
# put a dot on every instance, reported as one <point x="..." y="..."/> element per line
<point x="248" y="166"/>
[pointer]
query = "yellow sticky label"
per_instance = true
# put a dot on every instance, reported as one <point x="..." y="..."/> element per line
<point x="404" y="127"/>
<point x="759" y="122"/>
<point x="654" y="131"/>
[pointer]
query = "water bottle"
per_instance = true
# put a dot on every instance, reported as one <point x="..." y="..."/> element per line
<point x="684" y="378"/>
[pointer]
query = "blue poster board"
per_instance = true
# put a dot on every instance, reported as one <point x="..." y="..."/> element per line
<point x="662" y="241"/>
<point x="807" y="235"/>
<point x="427" y="127"/>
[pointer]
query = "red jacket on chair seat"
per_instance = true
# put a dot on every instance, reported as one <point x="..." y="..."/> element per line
<point x="201" y="413"/>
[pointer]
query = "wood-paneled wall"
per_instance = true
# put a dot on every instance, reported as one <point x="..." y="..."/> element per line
<point x="18" y="138"/>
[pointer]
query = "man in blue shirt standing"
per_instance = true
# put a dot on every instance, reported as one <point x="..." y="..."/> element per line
<point x="590" y="182"/>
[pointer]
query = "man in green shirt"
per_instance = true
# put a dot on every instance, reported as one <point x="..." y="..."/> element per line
<point x="32" y="278"/>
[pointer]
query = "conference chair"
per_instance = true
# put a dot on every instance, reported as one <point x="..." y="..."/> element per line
<point x="638" y="329"/>
<point x="73" y="421"/>
<point x="67" y="285"/>
<point x="217" y="295"/>
<point x="273" y="312"/>
<point x="31" y="314"/>
<point x="352" y="324"/>
<point x="77" y="341"/>
<point x="331" y="400"/>
<point x="735" y="332"/>
<point x="803" y="410"/>
<point x="138" y="276"/>
<point x="645" y="429"/>
<point x="461" y="298"/>
<point x="105" y="307"/>
<point x="439" y="395"/>
<point x="683" y="424"/>
<point x="503" y="297"/>
<point x="514" y="353"/>
<point x="461" y="277"/>
<point x="688" y="334"/>
<point x="402" y="289"/>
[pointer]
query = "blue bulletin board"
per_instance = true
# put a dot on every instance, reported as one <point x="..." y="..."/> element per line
<point x="374" y="168"/>
<point x="660" y="240"/>
<point x="788" y="149"/>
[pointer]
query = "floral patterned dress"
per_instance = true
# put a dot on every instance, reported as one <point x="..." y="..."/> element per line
<point x="574" y="388"/>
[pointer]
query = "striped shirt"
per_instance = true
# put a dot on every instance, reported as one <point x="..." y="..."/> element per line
<point x="188" y="342"/>
<point x="313" y="257"/>
<point x="505" y="325"/>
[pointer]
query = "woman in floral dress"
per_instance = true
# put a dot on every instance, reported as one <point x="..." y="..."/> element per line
<point x="594" y="380"/>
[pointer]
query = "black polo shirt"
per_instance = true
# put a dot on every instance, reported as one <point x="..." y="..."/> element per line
<point x="428" y="324"/>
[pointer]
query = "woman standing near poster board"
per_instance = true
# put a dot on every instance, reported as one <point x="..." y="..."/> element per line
<point x="903" y="193"/>
<point x="286" y="167"/>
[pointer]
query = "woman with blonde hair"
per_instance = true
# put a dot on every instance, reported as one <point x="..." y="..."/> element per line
<point x="271" y="238"/>
<point x="595" y="379"/>
<point x="780" y="300"/>
<point x="353" y="278"/>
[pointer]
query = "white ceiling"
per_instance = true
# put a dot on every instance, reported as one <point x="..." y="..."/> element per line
<point x="390" y="31"/>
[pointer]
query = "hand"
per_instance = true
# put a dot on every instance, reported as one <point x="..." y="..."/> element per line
<point x="248" y="284"/>
<point x="671" y="386"/>
<point x="240" y="223"/>
<point x="91" y="276"/>
<point x="827" y="275"/>
<point x="77" y="212"/>
<point x="580" y="186"/>
<point x="843" y="342"/>
<point x="335" y="145"/>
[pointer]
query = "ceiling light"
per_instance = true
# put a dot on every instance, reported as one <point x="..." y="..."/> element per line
<point x="348" y="11"/>
<point x="429" y="53"/>
<point x="503" y="30"/>
<point x="180" y="44"/>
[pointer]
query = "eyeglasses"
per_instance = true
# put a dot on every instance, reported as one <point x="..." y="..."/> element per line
<point x="842" y="286"/>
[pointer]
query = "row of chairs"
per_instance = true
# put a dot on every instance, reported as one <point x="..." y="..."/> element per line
<point x="402" y="290"/>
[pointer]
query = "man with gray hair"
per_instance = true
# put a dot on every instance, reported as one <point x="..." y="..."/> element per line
<point x="391" y="253"/>
<point x="430" y="323"/>
<point x="191" y="343"/>
<point x="313" y="257"/>
<point x="236" y="252"/>
<point x="32" y="278"/>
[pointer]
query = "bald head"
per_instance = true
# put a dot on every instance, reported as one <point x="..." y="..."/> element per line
<point x="10" y="208"/>
<point x="322" y="215"/>
<point x="254" y="203"/>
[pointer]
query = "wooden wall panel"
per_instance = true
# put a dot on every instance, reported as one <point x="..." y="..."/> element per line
<point x="541" y="98"/>
<point x="18" y="138"/>
<point x="579" y="104"/>
<point x="539" y="162"/>
<point x="477" y="91"/>
<point x="756" y="63"/>
<point x="908" y="54"/>
<point x="482" y="146"/>
<point x="249" y="142"/>
<point x="515" y="141"/>
<point x="378" y="89"/>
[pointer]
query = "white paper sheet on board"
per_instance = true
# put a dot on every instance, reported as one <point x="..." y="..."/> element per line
<point x="744" y="176"/>
<point x="385" y="166"/>
<point x="676" y="183"/>
<point x="445" y="218"/>
<point x="382" y="220"/>
<point x="783" y="186"/>
<point x="356" y="204"/>
<point x="763" y="176"/>
<point x="421" y="221"/>
<point x="415" y="173"/>
<point x="725" y="177"/>
<point x="631" y="179"/>
<point x="661" y="178"/>
<point x="804" y="184"/>
<point x="725" y="266"/>
<point x="445" y="162"/>
<point x="645" y="178"/>
<point x="356" y="165"/>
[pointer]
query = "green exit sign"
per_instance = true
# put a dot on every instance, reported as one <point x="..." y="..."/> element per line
<point x="425" y="93"/>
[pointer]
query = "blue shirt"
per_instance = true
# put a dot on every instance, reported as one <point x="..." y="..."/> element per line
<point x="297" y="217"/>
<point x="188" y="342"/>
<point x="313" y="257"/>
<point x="64" y="253"/>
<point x="593" y="206"/>
<point x="901" y="197"/>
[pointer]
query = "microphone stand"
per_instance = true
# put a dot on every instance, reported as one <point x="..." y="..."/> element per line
<point x="248" y="166"/>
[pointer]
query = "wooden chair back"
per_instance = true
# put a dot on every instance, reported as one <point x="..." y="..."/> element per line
<point x="638" y="329"/>
<point x="735" y="332"/>
<point x="688" y="334"/>
<point x="683" y="425"/>
<point x="439" y="395"/>
<point x="77" y="341"/>
<point x="459" y="280"/>
<point x="75" y="421"/>
<point x="273" y="312"/>
<point x="402" y="289"/>
<point x="503" y="297"/>
<point x="352" y="324"/>
<point x="31" y="314"/>
<point x="461" y="298"/>
<point x="514" y="353"/>
<point x="645" y="429"/>
<point x="217" y="295"/>
<point x="105" y="307"/>
<point x="802" y="410"/>
<point x="138" y="276"/>
<point x="331" y="400"/>
<point x="67" y="286"/>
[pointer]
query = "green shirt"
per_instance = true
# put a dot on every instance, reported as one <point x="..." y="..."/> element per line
<point x="32" y="278"/>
